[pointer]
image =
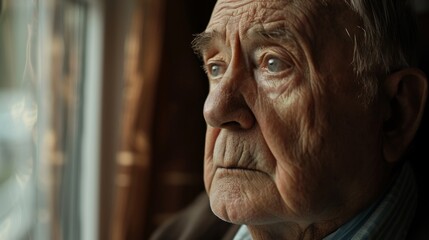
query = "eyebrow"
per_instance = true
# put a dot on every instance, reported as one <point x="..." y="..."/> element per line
<point x="203" y="41"/>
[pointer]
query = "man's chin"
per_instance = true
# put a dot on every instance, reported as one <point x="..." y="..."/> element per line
<point x="231" y="210"/>
<point x="242" y="201"/>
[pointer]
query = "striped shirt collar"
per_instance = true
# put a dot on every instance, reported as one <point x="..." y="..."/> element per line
<point x="389" y="218"/>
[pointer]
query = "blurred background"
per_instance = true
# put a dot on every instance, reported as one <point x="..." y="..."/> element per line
<point x="101" y="126"/>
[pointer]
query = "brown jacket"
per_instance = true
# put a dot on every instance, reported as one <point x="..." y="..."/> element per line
<point x="196" y="222"/>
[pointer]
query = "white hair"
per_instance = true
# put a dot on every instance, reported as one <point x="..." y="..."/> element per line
<point x="387" y="42"/>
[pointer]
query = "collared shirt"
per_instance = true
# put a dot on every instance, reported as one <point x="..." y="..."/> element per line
<point x="389" y="218"/>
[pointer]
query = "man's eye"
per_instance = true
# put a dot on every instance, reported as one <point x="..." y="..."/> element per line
<point x="275" y="65"/>
<point x="215" y="70"/>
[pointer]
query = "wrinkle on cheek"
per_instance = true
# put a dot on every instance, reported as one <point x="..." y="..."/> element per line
<point x="287" y="184"/>
<point x="208" y="174"/>
<point x="211" y="136"/>
<point x="291" y="125"/>
<point x="308" y="108"/>
<point x="311" y="128"/>
<point x="264" y="197"/>
<point x="292" y="133"/>
<point x="300" y="192"/>
<point x="279" y="126"/>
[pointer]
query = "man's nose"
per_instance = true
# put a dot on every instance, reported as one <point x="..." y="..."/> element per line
<point x="226" y="107"/>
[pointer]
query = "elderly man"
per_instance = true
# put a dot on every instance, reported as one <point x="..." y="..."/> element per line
<point x="312" y="105"/>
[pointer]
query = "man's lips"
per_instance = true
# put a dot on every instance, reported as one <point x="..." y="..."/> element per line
<point x="238" y="168"/>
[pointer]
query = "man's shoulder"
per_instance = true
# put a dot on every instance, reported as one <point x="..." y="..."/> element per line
<point x="196" y="222"/>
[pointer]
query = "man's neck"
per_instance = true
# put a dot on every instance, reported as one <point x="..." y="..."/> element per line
<point x="293" y="231"/>
<point x="401" y="194"/>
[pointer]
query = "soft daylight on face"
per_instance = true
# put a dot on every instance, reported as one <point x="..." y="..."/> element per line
<point x="287" y="127"/>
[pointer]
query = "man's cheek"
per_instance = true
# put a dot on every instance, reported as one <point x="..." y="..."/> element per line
<point x="208" y="172"/>
<point x="291" y="188"/>
<point x="281" y="135"/>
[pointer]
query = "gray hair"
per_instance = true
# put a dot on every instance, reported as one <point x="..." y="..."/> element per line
<point x="388" y="39"/>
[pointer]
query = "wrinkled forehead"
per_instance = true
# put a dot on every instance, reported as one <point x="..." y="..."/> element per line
<point x="242" y="15"/>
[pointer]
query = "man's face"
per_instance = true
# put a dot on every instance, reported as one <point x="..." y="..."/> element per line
<point x="289" y="138"/>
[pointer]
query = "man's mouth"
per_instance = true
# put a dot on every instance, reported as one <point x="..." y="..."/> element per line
<point x="238" y="168"/>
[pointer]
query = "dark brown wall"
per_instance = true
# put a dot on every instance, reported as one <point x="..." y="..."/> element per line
<point x="179" y="128"/>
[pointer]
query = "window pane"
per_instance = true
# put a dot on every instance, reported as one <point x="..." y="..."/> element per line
<point x="18" y="118"/>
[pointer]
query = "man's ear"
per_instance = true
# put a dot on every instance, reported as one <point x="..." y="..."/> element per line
<point x="406" y="92"/>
